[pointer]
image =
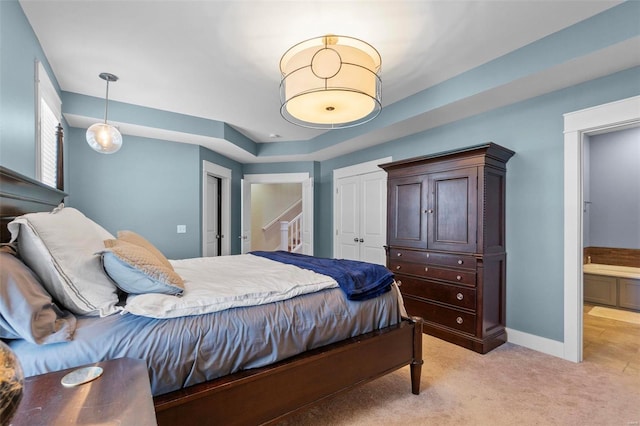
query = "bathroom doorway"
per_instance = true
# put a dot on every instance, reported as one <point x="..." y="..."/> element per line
<point x="611" y="249"/>
<point x="616" y="115"/>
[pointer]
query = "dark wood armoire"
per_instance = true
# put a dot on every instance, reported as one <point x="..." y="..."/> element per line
<point x="446" y="242"/>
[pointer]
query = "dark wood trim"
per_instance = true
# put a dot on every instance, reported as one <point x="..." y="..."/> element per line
<point x="20" y="194"/>
<point x="60" y="157"/>
<point x="613" y="256"/>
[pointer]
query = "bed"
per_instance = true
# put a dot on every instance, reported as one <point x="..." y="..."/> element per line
<point x="305" y="373"/>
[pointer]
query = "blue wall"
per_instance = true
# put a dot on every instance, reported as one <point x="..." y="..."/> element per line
<point x="615" y="189"/>
<point x="19" y="50"/>
<point x="149" y="187"/>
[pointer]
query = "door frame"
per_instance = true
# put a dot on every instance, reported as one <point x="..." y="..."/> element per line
<point x="212" y="169"/>
<point x="350" y="171"/>
<point x="577" y="125"/>
<point x="307" y="201"/>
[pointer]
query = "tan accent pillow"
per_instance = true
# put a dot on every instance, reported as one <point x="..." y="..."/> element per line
<point x="139" y="240"/>
<point x="136" y="270"/>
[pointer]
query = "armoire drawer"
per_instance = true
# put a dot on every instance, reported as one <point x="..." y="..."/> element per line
<point x="430" y="271"/>
<point x="448" y="317"/>
<point x="432" y="258"/>
<point x="461" y="297"/>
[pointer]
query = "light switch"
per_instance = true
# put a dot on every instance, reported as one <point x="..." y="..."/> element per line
<point x="182" y="229"/>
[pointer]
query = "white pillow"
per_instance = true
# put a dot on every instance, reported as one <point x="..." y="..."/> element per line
<point x="60" y="246"/>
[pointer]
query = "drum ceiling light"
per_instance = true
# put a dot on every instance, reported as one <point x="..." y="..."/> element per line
<point x="102" y="137"/>
<point x="330" y="82"/>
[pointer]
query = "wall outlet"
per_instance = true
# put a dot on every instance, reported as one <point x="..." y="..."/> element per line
<point x="182" y="229"/>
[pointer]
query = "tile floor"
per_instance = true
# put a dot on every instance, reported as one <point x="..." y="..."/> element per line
<point x="612" y="343"/>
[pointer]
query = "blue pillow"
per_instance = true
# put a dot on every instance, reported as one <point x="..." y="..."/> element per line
<point x="135" y="270"/>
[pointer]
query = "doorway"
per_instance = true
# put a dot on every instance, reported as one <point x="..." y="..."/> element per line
<point x="306" y="233"/>
<point x="611" y="239"/>
<point x="216" y="210"/>
<point x="577" y="126"/>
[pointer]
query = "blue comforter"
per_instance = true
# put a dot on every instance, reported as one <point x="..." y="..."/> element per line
<point x="359" y="280"/>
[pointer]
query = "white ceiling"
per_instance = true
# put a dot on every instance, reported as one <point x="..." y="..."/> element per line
<point x="219" y="59"/>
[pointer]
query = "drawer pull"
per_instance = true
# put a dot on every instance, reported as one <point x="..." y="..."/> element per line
<point x="460" y="262"/>
<point x="398" y="267"/>
<point x="458" y="278"/>
<point x="399" y="254"/>
<point x="427" y="255"/>
<point x="459" y="320"/>
<point x="459" y="296"/>
<point x="426" y="269"/>
<point x="399" y="283"/>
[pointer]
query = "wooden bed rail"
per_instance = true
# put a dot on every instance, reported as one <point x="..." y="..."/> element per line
<point x="265" y="395"/>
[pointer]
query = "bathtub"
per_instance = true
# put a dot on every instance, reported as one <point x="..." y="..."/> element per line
<point x="611" y="270"/>
<point x="612" y="285"/>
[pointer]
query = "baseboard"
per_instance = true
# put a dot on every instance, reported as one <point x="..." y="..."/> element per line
<point x="537" y="343"/>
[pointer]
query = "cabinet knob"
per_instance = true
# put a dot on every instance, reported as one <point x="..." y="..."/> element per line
<point x="399" y="283"/>
<point x="426" y="269"/>
<point x="429" y="211"/>
<point x="355" y="240"/>
<point x="398" y="267"/>
<point x="399" y="254"/>
<point x="362" y="240"/>
<point x="459" y="296"/>
<point x="460" y="262"/>
<point x="459" y="320"/>
<point x="458" y="278"/>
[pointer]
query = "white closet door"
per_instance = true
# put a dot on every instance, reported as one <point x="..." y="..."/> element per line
<point x="348" y="226"/>
<point x="373" y="217"/>
<point x="362" y="217"/>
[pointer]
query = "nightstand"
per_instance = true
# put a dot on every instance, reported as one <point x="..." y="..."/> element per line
<point x="122" y="395"/>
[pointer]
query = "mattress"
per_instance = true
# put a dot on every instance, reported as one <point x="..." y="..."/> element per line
<point x="184" y="351"/>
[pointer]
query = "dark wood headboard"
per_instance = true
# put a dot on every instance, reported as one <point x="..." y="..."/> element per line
<point x="20" y="194"/>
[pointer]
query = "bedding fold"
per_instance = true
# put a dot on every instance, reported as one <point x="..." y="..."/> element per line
<point x="358" y="280"/>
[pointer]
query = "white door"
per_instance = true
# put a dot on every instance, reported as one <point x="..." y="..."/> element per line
<point x="361" y="217"/>
<point x="373" y="217"/>
<point x="307" y="216"/>
<point x="348" y="226"/>
<point x="213" y="217"/>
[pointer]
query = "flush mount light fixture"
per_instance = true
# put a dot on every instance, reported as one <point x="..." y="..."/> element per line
<point x="103" y="137"/>
<point x="330" y="82"/>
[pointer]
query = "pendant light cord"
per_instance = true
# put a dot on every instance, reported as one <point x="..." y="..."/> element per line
<point x="106" y="103"/>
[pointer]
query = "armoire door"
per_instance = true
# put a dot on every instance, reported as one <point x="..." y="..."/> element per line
<point x="407" y="211"/>
<point x="452" y="210"/>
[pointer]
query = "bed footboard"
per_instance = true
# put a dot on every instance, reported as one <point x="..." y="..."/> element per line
<point x="267" y="394"/>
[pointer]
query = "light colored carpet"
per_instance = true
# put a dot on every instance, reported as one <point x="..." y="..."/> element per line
<point x="615" y="314"/>
<point x="511" y="385"/>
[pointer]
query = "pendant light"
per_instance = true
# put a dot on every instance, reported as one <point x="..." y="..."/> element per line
<point x="103" y="137"/>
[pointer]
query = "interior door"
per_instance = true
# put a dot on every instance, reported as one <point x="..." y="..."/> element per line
<point x="213" y="216"/>
<point x="348" y="226"/>
<point x="373" y="217"/>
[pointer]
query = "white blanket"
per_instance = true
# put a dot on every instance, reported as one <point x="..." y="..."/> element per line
<point x="216" y="283"/>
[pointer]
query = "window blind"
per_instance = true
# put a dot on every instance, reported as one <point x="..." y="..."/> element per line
<point x="49" y="113"/>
